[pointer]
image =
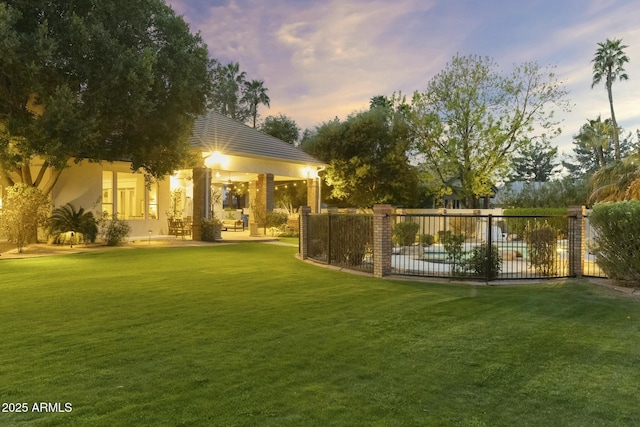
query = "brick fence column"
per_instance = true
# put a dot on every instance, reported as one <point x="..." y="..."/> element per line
<point x="382" y="245"/>
<point x="305" y="211"/>
<point x="576" y="240"/>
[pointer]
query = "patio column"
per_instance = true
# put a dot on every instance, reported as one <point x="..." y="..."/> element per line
<point x="261" y="199"/>
<point x="201" y="188"/>
<point x="382" y="245"/>
<point x="576" y="240"/>
<point x="312" y="195"/>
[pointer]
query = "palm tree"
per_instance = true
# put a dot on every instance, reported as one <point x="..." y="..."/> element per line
<point x="608" y="63"/>
<point x="229" y="83"/>
<point x="619" y="181"/>
<point x="255" y="93"/>
<point x="66" y="218"/>
<point x="596" y="134"/>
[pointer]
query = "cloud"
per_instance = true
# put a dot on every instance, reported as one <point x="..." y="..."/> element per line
<point x="322" y="59"/>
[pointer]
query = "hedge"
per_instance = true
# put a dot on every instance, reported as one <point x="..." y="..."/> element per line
<point x="517" y="226"/>
<point x="617" y="241"/>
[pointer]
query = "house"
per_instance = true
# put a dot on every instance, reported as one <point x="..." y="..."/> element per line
<point x="233" y="160"/>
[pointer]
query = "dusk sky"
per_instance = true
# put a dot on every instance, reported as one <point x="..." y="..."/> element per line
<point x="326" y="58"/>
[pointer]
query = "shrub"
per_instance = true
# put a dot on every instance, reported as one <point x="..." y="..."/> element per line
<point x="276" y="221"/>
<point x="617" y="242"/>
<point x="427" y="239"/>
<point x="542" y="243"/>
<point x="404" y="233"/>
<point x="351" y="238"/>
<point x="555" y="217"/>
<point x="114" y="231"/>
<point x="453" y="244"/>
<point x="211" y="229"/>
<point x="25" y="208"/>
<point x="65" y="219"/>
<point x="478" y="263"/>
<point x="466" y="226"/>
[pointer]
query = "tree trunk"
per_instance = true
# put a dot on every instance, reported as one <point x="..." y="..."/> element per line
<point x="616" y="139"/>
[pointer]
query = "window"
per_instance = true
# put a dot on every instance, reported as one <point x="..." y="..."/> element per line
<point x="153" y="201"/>
<point x="130" y="203"/>
<point x="107" y="193"/>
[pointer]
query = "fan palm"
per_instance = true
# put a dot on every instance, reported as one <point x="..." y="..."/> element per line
<point x="255" y="93"/>
<point x="619" y="181"/>
<point x="608" y="63"/>
<point x="596" y="134"/>
<point x="66" y="218"/>
<point x="229" y="81"/>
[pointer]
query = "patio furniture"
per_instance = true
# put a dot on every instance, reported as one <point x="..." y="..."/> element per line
<point x="235" y="224"/>
<point x="180" y="227"/>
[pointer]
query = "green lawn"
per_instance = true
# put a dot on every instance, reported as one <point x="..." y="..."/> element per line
<point x="246" y="335"/>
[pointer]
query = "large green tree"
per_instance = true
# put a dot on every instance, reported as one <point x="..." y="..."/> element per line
<point x="367" y="157"/>
<point x="101" y="80"/>
<point x="281" y="127"/>
<point x="608" y="64"/>
<point x="472" y="118"/>
<point x="535" y="162"/>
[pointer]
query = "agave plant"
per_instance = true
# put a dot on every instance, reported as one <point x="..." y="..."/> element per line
<point x="66" y="218"/>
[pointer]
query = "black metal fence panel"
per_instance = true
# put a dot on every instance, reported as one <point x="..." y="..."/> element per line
<point x="344" y="240"/>
<point x="481" y="247"/>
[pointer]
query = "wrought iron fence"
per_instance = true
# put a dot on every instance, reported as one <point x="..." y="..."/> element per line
<point x="344" y="240"/>
<point x="483" y="247"/>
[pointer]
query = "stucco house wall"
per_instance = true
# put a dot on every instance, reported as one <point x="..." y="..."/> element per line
<point x="81" y="185"/>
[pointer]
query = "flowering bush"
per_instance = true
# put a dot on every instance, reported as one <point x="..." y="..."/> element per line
<point x="24" y="209"/>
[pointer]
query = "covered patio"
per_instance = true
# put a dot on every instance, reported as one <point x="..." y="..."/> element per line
<point x="235" y="174"/>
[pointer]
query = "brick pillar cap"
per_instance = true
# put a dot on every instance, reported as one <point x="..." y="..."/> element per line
<point x="382" y="209"/>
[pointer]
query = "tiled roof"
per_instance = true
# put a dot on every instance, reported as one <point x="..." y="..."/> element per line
<point x="216" y="132"/>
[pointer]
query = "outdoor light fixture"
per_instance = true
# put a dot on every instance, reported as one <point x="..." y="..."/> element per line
<point x="216" y="159"/>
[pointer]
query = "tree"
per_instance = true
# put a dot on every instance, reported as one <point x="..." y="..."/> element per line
<point x="255" y="93"/>
<point x="67" y="218"/>
<point x="552" y="194"/>
<point x="471" y="119"/>
<point x="618" y="181"/>
<point x="535" y="162"/>
<point x="367" y="157"/>
<point x="380" y="101"/>
<point x="24" y="209"/>
<point x="596" y="135"/>
<point x="281" y="127"/>
<point x="100" y="80"/>
<point x="586" y="158"/>
<point x="608" y="63"/>
<point x="228" y="91"/>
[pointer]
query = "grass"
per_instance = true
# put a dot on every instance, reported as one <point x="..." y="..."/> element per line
<point x="290" y="240"/>
<point x="246" y="335"/>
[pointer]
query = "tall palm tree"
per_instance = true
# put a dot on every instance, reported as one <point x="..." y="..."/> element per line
<point x="619" y="181"/>
<point x="608" y="63"/>
<point x="596" y="134"/>
<point x="229" y="84"/>
<point x="255" y="93"/>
